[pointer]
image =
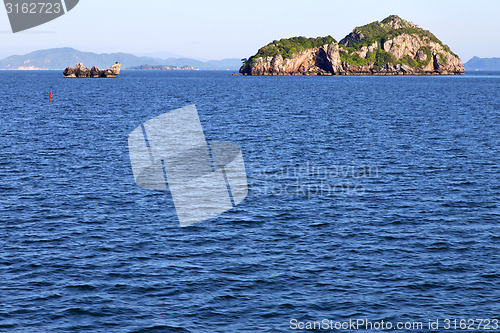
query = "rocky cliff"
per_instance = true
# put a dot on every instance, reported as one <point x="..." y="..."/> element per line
<point x="81" y="71"/>
<point x="390" y="47"/>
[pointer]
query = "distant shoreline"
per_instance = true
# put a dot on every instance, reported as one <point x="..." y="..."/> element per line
<point x="60" y="58"/>
<point x="147" y="67"/>
<point x="159" y="69"/>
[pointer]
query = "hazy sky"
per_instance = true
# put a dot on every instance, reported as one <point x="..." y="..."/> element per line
<point x="236" y="29"/>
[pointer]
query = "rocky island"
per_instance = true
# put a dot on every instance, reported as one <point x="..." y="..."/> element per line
<point x="391" y="47"/>
<point x="81" y="71"/>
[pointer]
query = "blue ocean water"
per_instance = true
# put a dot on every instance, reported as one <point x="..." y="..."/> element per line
<point x="370" y="197"/>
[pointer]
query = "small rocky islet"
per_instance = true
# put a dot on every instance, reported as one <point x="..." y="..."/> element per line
<point x="80" y="71"/>
<point x="393" y="46"/>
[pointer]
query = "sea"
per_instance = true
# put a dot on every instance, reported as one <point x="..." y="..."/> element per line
<point x="373" y="205"/>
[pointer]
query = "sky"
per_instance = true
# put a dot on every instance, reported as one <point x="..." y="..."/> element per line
<point x="219" y="29"/>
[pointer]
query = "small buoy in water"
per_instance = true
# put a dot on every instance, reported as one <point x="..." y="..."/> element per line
<point x="50" y="97"/>
<point x="235" y="74"/>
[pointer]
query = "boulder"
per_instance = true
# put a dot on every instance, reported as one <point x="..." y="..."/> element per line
<point x="95" y="72"/>
<point x="69" y="72"/>
<point x="108" y="73"/>
<point x="81" y="71"/>
<point x="116" y="68"/>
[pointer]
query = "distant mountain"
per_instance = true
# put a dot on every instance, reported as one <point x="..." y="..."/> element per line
<point x="61" y="58"/>
<point x="483" y="64"/>
<point x="161" y="55"/>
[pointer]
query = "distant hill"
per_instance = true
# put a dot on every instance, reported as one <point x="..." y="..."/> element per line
<point x="61" y="58"/>
<point x="483" y="64"/>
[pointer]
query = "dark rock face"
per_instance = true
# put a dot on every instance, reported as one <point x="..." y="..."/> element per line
<point x="95" y="72"/>
<point x="391" y="47"/>
<point x="69" y="72"/>
<point x="82" y="71"/>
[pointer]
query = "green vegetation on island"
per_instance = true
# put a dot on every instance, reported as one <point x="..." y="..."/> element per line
<point x="381" y="32"/>
<point x="380" y="58"/>
<point x="287" y="47"/>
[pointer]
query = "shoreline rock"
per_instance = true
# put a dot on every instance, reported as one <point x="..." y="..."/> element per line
<point x="80" y="71"/>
